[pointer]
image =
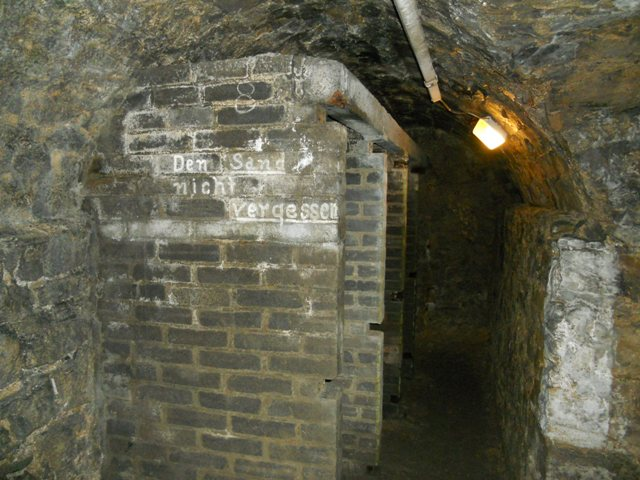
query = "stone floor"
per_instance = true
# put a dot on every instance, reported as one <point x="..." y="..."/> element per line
<point x="444" y="431"/>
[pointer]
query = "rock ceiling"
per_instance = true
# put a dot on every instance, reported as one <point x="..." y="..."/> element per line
<point x="536" y="66"/>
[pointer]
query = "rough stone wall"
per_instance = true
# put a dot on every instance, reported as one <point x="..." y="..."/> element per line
<point x="598" y="128"/>
<point x="553" y="349"/>
<point x="625" y="414"/>
<point x="579" y="343"/>
<point x="517" y="342"/>
<point x="366" y="178"/>
<point x="48" y="410"/>
<point x="56" y="88"/>
<point x="221" y="259"/>
<point x="393" y="326"/>
<point x="49" y="424"/>
<point x="606" y="144"/>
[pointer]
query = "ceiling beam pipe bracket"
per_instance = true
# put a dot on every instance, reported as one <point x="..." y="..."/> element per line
<point x="410" y="19"/>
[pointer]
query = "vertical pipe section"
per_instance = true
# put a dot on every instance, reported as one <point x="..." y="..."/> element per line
<point x="410" y="19"/>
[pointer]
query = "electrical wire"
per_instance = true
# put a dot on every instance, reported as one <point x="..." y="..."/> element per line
<point x="457" y="112"/>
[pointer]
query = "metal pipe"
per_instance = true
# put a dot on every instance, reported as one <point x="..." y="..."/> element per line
<point x="410" y="19"/>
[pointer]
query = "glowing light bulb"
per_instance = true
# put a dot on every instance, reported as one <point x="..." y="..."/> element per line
<point x="490" y="133"/>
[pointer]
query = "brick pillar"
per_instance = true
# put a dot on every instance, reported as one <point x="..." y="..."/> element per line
<point x="364" y="305"/>
<point x="394" y="282"/>
<point x="221" y="255"/>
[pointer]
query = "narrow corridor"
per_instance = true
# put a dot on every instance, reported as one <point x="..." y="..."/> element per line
<point x="445" y="431"/>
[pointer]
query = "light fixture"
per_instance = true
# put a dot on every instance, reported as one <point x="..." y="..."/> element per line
<point x="489" y="132"/>
<point x="486" y="129"/>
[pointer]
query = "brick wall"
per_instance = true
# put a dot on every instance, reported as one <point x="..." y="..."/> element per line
<point x="394" y="288"/>
<point x="411" y="257"/>
<point x="364" y="305"/>
<point x="221" y="267"/>
<point x="242" y="274"/>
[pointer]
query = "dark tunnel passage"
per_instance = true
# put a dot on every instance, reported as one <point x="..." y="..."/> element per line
<point x="444" y="424"/>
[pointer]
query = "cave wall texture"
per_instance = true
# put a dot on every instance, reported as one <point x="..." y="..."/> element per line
<point x="561" y="77"/>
